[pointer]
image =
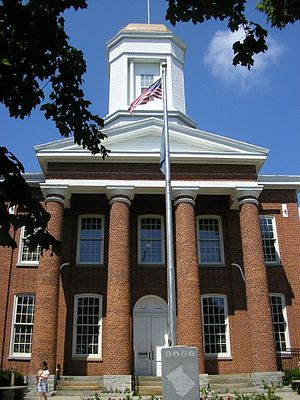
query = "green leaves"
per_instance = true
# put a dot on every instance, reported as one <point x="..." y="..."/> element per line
<point x="15" y="194"/>
<point x="34" y="49"/>
<point x="254" y="43"/>
<point x="278" y="13"/>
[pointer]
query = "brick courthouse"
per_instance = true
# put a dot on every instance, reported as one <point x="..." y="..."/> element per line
<point x="100" y="309"/>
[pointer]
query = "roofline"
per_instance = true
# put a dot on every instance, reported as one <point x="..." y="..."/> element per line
<point x="34" y="178"/>
<point x="280" y="181"/>
<point x="146" y="114"/>
<point x="144" y="35"/>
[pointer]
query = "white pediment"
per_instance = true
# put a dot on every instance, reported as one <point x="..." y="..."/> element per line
<point x="141" y="141"/>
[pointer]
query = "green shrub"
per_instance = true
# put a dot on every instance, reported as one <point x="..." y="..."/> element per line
<point x="5" y="378"/>
<point x="291" y="374"/>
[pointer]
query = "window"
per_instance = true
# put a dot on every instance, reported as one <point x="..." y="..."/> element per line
<point x="269" y="239"/>
<point x="23" y="315"/>
<point x="146" y="81"/>
<point x="279" y="319"/>
<point x="90" y="239"/>
<point x="215" y="326"/>
<point x="87" y="326"/>
<point x="210" y="241"/>
<point x="144" y="74"/>
<point x="151" y="243"/>
<point x="25" y="256"/>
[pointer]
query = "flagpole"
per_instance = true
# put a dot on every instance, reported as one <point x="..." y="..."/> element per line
<point x="169" y="220"/>
<point x="148" y="11"/>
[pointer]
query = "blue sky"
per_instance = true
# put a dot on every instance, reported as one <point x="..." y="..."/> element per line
<point x="261" y="107"/>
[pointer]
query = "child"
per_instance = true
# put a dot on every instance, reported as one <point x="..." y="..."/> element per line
<point x="42" y="381"/>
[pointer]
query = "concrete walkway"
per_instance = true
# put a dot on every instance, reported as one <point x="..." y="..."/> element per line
<point x="289" y="395"/>
<point x="285" y="395"/>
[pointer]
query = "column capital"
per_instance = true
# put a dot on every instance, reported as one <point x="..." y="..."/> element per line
<point x="123" y="194"/>
<point x="244" y="195"/>
<point x="58" y="193"/>
<point x="184" y="195"/>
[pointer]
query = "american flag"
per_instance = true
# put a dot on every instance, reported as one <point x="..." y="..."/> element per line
<point x="153" y="90"/>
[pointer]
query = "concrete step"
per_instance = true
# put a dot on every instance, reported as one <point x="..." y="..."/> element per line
<point x="35" y="396"/>
<point x="67" y="378"/>
<point x="225" y="389"/>
<point x="149" y="385"/>
<point x="69" y="393"/>
<point x="230" y="378"/>
<point x="150" y="390"/>
<point x="78" y="388"/>
<point x="149" y="378"/>
<point x="230" y="383"/>
<point x="80" y="383"/>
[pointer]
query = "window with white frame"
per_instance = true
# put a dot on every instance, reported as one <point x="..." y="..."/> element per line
<point x="87" y="326"/>
<point x="215" y="326"/>
<point x="22" y="325"/>
<point x="90" y="239"/>
<point x="210" y="240"/>
<point x="146" y="81"/>
<point x="269" y="239"/>
<point x="25" y="255"/>
<point x="279" y="319"/>
<point x="151" y="239"/>
<point x="145" y="73"/>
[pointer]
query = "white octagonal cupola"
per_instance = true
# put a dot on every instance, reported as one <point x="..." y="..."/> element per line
<point x="135" y="56"/>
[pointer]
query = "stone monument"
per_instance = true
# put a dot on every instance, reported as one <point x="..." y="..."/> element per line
<point x="180" y="375"/>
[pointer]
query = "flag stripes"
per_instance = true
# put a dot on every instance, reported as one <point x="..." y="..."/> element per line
<point x="153" y="90"/>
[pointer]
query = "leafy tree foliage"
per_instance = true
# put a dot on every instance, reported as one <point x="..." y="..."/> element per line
<point x="18" y="208"/>
<point x="278" y="13"/>
<point x="35" y="52"/>
<point x="35" y="57"/>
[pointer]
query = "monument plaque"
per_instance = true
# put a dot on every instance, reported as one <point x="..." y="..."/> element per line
<point x="180" y="375"/>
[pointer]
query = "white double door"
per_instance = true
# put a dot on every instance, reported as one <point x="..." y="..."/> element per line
<point x="150" y="336"/>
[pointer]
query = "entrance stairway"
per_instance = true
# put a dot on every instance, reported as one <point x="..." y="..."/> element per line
<point x="148" y="385"/>
<point x="231" y="383"/>
<point x="221" y="384"/>
<point x="79" y="385"/>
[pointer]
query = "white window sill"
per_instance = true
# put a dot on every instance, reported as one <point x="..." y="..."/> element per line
<point x="19" y="357"/>
<point x="87" y="358"/>
<point x="28" y="264"/>
<point x="217" y="357"/>
<point x="284" y="354"/>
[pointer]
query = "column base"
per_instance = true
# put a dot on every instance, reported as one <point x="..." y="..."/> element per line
<point x="203" y="380"/>
<point x="259" y="378"/>
<point x="32" y="387"/>
<point x="118" y="383"/>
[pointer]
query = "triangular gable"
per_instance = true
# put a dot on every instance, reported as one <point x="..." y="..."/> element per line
<point x="144" y="138"/>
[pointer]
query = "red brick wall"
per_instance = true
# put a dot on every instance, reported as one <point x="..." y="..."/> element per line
<point x="152" y="280"/>
<point x="110" y="170"/>
<point x="22" y="280"/>
<point x="285" y="278"/>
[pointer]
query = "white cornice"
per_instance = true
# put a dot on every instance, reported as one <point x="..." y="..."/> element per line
<point x="280" y="181"/>
<point x="98" y="186"/>
<point x="123" y="34"/>
<point x="110" y="120"/>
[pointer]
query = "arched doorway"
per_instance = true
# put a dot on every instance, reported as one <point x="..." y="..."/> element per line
<point x="150" y="334"/>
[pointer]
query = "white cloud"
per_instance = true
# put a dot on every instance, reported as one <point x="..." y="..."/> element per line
<point x="219" y="54"/>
